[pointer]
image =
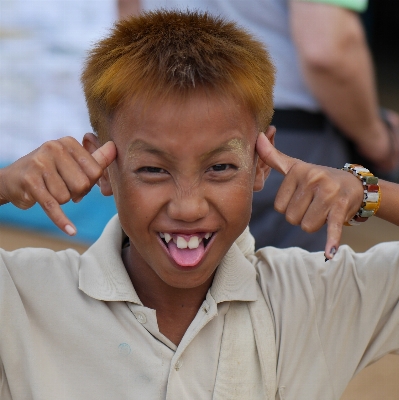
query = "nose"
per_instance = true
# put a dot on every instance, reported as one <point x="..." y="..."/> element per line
<point x="188" y="206"/>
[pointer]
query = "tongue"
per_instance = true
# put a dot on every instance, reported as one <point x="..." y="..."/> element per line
<point x="186" y="257"/>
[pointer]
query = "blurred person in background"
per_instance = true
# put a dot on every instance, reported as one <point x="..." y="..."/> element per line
<point x="43" y="45"/>
<point x="325" y="97"/>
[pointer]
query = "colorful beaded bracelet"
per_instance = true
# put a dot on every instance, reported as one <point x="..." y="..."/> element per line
<point x="371" y="193"/>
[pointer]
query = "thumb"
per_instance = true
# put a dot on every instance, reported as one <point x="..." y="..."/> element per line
<point x="105" y="154"/>
<point x="272" y="157"/>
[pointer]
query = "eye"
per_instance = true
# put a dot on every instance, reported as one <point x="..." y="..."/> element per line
<point x="152" y="170"/>
<point x="220" y="167"/>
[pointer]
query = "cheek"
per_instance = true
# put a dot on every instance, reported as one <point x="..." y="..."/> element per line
<point x="236" y="199"/>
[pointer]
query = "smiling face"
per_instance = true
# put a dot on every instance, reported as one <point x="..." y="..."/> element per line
<point x="183" y="182"/>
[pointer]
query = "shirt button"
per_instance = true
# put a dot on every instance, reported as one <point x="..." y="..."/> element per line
<point x="140" y="317"/>
<point x="178" y="364"/>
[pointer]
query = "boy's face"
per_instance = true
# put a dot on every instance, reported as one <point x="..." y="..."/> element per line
<point x="183" y="182"/>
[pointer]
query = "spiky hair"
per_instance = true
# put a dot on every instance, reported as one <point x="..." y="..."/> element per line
<point x="163" y="53"/>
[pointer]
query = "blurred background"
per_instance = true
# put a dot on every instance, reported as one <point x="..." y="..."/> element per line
<point x="42" y="48"/>
<point x="43" y="45"/>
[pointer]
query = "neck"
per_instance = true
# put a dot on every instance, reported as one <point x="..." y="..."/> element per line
<point x="175" y="307"/>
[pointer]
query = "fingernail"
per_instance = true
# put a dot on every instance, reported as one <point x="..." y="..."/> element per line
<point x="333" y="251"/>
<point x="70" y="230"/>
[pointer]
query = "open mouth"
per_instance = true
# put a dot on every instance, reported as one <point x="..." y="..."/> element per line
<point x="186" y="250"/>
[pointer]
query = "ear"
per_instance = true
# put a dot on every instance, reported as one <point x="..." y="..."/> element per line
<point x="91" y="144"/>
<point x="262" y="169"/>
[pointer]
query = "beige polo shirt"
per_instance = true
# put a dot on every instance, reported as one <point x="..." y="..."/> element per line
<point x="72" y="326"/>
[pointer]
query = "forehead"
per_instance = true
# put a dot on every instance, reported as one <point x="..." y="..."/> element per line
<point x="197" y="120"/>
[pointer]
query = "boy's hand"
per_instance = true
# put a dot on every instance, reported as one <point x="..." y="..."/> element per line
<point x="312" y="195"/>
<point x="56" y="172"/>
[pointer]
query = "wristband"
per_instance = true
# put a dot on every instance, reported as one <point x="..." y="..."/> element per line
<point x="371" y="193"/>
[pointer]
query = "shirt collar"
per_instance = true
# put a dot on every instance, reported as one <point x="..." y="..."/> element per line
<point x="103" y="276"/>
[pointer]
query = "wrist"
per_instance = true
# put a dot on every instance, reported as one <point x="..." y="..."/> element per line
<point x="375" y="144"/>
<point x="3" y="199"/>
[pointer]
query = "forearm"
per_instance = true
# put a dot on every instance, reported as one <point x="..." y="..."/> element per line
<point x="338" y="69"/>
<point x="2" y="197"/>
<point x="389" y="209"/>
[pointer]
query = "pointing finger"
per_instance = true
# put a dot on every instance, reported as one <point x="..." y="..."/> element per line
<point x="272" y="157"/>
<point x="52" y="208"/>
<point x="334" y="232"/>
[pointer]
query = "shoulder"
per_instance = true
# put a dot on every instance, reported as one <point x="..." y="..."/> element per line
<point x="296" y="261"/>
<point x="32" y="265"/>
<point x="307" y="274"/>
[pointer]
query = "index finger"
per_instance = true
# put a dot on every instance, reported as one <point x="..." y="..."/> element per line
<point x="272" y="157"/>
<point x="335" y="222"/>
<point x="54" y="211"/>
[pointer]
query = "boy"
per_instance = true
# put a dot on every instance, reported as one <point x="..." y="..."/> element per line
<point x="171" y="302"/>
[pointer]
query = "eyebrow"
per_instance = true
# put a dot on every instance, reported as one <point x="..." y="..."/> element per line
<point x="235" y="145"/>
<point x="142" y="146"/>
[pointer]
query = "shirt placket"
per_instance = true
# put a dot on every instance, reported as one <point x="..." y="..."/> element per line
<point x="206" y="313"/>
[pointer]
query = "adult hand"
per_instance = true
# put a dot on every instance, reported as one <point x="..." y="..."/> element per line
<point x="312" y="195"/>
<point x="58" y="171"/>
<point x="381" y="147"/>
<point x="391" y="161"/>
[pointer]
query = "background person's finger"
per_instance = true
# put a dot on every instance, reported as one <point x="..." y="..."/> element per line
<point x="272" y="157"/>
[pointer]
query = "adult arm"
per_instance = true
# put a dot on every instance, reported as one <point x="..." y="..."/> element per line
<point x="128" y="7"/>
<point x="338" y="69"/>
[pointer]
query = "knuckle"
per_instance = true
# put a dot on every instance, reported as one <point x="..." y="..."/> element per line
<point x="49" y="205"/>
<point x="63" y="197"/>
<point x="69" y="144"/>
<point x="25" y="202"/>
<point x="68" y="141"/>
<point x="279" y="207"/>
<point x="82" y="185"/>
<point x="296" y="166"/>
<point x="94" y="170"/>
<point x="52" y="146"/>
<point x="292" y="218"/>
<point x="308" y="227"/>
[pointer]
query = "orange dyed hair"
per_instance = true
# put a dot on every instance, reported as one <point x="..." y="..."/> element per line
<point x="163" y="53"/>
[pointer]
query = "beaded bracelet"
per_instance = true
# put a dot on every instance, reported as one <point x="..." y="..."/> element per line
<point x="371" y="193"/>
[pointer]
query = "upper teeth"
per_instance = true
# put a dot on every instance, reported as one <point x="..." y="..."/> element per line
<point x="194" y="242"/>
<point x="181" y="242"/>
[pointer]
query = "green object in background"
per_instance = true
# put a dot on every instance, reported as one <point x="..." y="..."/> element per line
<point x="356" y="5"/>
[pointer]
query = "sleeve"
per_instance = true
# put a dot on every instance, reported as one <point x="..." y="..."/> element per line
<point x="355" y="5"/>
<point x="357" y="307"/>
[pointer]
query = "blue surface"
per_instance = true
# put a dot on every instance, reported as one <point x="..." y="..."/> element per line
<point x="89" y="216"/>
